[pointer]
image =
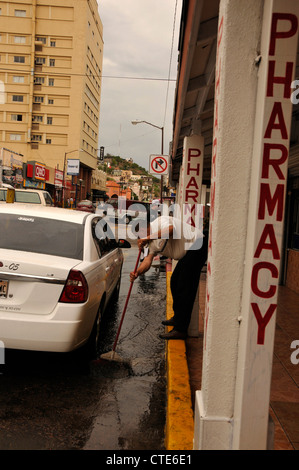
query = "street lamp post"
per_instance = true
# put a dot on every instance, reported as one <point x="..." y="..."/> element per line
<point x="63" y="188"/>
<point x="136" y="121"/>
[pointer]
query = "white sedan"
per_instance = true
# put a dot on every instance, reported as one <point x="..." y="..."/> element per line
<point x="58" y="270"/>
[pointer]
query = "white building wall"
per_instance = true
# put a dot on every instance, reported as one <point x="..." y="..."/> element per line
<point x="235" y="100"/>
<point x="245" y="226"/>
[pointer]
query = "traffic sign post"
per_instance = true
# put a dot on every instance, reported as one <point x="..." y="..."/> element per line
<point x="159" y="164"/>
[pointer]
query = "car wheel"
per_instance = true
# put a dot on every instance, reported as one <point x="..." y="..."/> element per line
<point x="90" y="348"/>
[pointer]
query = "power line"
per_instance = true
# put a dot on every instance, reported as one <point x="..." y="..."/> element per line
<point x="128" y="140"/>
<point x="140" y="78"/>
<point x="65" y="74"/>
<point x="171" y="52"/>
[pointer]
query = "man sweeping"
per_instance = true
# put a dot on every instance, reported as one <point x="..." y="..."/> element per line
<point x="188" y="245"/>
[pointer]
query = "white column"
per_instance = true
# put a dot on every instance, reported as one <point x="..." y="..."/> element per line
<point x="235" y="97"/>
<point x="265" y="223"/>
<point x="249" y="165"/>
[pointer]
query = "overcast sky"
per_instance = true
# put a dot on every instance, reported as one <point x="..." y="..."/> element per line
<point x="138" y="36"/>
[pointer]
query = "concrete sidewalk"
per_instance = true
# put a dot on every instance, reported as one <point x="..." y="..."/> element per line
<point x="179" y="415"/>
<point x="184" y="368"/>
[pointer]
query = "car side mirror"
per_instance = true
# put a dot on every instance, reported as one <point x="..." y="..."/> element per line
<point x="123" y="243"/>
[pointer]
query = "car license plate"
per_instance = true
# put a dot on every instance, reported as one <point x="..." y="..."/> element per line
<point x="3" y="289"/>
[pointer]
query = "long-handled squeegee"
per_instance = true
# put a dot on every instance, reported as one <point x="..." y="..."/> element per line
<point x="112" y="355"/>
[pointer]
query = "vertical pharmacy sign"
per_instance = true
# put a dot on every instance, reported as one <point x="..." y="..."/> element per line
<point x="274" y="149"/>
<point x="266" y="213"/>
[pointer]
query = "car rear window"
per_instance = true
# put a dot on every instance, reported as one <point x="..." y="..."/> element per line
<point x="48" y="199"/>
<point x="24" y="196"/>
<point x="41" y="235"/>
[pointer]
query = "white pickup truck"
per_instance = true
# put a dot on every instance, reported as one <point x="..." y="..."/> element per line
<point x="28" y="196"/>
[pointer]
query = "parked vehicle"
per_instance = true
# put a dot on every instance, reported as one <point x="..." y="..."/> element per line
<point x="86" y="206"/>
<point x="58" y="271"/>
<point x="28" y="196"/>
<point x="123" y="210"/>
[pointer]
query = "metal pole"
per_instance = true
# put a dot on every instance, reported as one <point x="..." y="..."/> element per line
<point x="162" y="151"/>
<point x="1" y="166"/>
<point x="63" y="187"/>
<point x="162" y="147"/>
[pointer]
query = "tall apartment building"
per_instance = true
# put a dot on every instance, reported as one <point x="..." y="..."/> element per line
<point x="50" y="86"/>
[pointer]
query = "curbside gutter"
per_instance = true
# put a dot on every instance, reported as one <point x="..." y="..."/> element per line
<point x="179" y="412"/>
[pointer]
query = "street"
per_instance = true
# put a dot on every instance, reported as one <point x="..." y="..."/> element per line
<point x="61" y="402"/>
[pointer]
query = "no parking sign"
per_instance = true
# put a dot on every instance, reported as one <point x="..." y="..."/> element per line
<point x="159" y="164"/>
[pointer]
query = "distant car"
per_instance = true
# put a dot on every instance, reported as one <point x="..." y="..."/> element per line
<point x="86" y="206"/>
<point x="58" y="271"/>
<point x="123" y="211"/>
<point x="28" y="196"/>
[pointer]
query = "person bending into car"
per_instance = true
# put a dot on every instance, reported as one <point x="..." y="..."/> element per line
<point x="173" y="239"/>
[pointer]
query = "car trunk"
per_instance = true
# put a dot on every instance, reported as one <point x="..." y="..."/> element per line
<point x="32" y="283"/>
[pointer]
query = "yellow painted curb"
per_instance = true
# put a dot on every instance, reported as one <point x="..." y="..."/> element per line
<point x="179" y="413"/>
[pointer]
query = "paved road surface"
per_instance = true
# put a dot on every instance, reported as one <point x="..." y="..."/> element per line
<point x="50" y="401"/>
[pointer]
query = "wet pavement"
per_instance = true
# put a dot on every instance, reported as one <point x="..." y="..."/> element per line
<point x="61" y="402"/>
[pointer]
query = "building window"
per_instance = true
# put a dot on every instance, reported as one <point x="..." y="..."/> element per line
<point x="20" y="40"/>
<point x="53" y="43"/>
<point x="37" y="118"/>
<point x="48" y="141"/>
<point x="18" y="79"/>
<point x="40" y="60"/>
<point x="15" y="136"/>
<point x="19" y="98"/>
<point x="19" y="59"/>
<point x="39" y="80"/>
<point x="50" y="101"/>
<point x="20" y="13"/>
<point x="36" y="138"/>
<point x="51" y="81"/>
<point x="49" y="120"/>
<point x="17" y="117"/>
<point x="41" y="39"/>
<point x="52" y="62"/>
<point x="38" y="99"/>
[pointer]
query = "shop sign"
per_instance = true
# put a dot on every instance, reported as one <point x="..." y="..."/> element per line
<point x="39" y="172"/>
<point x="12" y="166"/>
<point x="34" y="184"/>
<point x="274" y="154"/>
<point x="192" y="180"/>
<point x="58" y="180"/>
<point x="73" y="167"/>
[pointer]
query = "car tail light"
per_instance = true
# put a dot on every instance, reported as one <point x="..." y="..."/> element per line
<point x="75" y="289"/>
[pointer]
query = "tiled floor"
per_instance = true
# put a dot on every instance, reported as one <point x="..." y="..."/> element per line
<point x="284" y="400"/>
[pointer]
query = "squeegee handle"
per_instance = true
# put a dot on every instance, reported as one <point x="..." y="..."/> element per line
<point x="126" y="304"/>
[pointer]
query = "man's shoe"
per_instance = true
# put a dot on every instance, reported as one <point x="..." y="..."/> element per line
<point x="169" y="322"/>
<point x="173" y="334"/>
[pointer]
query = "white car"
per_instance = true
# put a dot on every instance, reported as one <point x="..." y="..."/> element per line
<point x="28" y="196"/>
<point x="58" y="270"/>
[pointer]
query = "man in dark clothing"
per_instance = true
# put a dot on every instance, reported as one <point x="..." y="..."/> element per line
<point x="169" y="237"/>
